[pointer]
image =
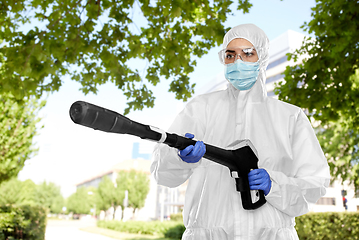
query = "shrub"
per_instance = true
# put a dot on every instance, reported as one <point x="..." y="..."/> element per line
<point x="22" y="222"/>
<point x="175" y="232"/>
<point x="139" y="227"/>
<point x="330" y="225"/>
<point x="311" y="226"/>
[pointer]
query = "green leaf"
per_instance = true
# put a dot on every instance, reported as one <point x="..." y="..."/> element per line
<point x="100" y="38"/>
<point x="326" y="84"/>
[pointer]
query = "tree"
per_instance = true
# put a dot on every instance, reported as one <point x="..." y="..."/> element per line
<point x="15" y="191"/>
<point x="326" y="83"/>
<point x="79" y="202"/>
<point x="338" y="143"/>
<point x="45" y="194"/>
<point x="49" y="195"/>
<point x="108" y="195"/>
<point x="17" y="128"/>
<point x="92" y="42"/>
<point x="92" y="192"/>
<point x="137" y="184"/>
<point x="113" y="195"/>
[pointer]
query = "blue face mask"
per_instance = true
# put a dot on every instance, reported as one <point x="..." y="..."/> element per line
<point x="242" y="75"/>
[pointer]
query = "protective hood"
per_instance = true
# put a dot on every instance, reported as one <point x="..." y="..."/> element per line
<point x="260" y="41"/>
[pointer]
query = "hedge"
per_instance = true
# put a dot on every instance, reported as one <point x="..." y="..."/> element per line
<point x="141" y="227"/>
<point x="22" y="222"/>
<point x="312" y="226"/>
<point x="175" y="232"/>
<point x="328" y="226"/>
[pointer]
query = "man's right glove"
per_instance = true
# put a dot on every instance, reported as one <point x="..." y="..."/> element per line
<point x="192" y="154"/>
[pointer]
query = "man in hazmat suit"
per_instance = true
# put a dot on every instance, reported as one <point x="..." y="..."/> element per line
<point x="293" y="171"/>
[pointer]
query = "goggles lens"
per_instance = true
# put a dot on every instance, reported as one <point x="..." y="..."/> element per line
<point x="245" y="53"/>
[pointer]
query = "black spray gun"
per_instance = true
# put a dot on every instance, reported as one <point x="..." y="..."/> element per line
<point x="239" y="158"/>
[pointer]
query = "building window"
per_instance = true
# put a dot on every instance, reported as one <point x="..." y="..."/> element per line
<point x="277" y="62"/>
<point x="326" y="201"/>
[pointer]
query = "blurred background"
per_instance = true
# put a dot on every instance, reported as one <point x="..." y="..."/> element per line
<point x="147" y="59"/>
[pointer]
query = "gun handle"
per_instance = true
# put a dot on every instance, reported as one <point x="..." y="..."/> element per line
<point x="248" y="203"/>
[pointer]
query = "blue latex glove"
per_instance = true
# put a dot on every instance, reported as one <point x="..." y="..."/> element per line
<point x="259" y="180"/>
<point x="192" y="154"/>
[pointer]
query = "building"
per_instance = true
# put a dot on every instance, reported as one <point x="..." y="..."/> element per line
<point x="161" y="201"/>
<point x="140" y="162"/>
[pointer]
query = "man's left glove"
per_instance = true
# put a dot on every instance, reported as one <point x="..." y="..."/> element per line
<point x="259" y="180"/>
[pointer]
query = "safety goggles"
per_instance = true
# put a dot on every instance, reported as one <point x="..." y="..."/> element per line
<point x="245" y="53"/>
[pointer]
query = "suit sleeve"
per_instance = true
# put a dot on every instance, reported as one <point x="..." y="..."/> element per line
<point x="167" y="167"/>
<point x="310" y="175"/>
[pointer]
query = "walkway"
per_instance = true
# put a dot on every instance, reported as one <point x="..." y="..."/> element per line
<point x="70" y="230"/>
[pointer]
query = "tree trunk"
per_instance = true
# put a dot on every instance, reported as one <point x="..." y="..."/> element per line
<point x="133" y="213"/>
<point x="122" y="213"/>
<point x="114" y="212"/>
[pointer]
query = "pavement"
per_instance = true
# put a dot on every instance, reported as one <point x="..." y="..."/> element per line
<point x="70" y="229"/>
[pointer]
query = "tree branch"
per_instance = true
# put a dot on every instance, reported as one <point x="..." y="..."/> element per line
<point x="58" y="20"/>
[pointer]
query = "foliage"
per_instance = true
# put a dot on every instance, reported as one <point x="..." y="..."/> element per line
<point x="15" y="191"/>
<point x="107" y="195"/>
<point x="326" y="82"/>
<point x="139" y="227"/>
<point x="137" y="184"/>
<point x="17" y="128"/>
<point x="22" y="222"/>
<point x="26" y="192"/>
<point x="113" y="195"/>
<point x="175" y="232"/>
<point x="49" y="195"/>
<point x="92" y="41"/>
<point x="328" y="226"/>
<point x="92" y="192"/>
<point x="79" y="202"/>
<point x="341" y="149"/>
<point x="310" y="226"/>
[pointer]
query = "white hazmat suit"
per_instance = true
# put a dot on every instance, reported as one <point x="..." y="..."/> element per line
<point x="287" y="148"/>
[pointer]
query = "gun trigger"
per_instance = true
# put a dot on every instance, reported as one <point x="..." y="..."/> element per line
<point x="234" y="174"/>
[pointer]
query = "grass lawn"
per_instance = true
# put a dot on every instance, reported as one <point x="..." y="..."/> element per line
<point x="121" y="235"/>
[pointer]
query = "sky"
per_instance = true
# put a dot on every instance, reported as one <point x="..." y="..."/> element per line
<point x="70" y="153"/>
